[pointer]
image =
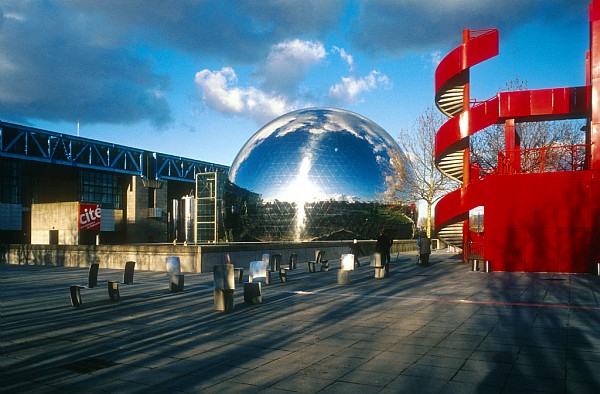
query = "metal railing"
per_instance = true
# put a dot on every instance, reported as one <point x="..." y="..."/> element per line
<point x="474" y="248"/>
<point x="545" y="159"/>
<point x="480" y="32"/>
<point x="28" y="143"/>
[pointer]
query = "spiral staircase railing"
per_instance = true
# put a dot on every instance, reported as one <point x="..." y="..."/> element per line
<point x="467" y="117"/>
<point x="452" y="140"/>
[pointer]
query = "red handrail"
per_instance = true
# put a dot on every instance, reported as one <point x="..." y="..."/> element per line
<point x="480" y="32"/>
<point x="544" y="159"/>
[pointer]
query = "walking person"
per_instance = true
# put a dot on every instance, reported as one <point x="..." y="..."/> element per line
<point x="425" y="251"/>
<point x="383" y="246"/>
<point x="418" y="249"/>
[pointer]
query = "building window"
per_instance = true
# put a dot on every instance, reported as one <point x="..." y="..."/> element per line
<point x="100" y="188"/>
<point x="151" y="197"/>
<point x="10" y="182"/>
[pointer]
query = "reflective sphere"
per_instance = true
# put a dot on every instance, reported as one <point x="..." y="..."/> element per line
<point x="311" y="174"/>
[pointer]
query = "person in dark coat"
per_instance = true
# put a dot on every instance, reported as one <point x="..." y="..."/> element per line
<point x="425" y="250"/>
<point x="383" y="246"/>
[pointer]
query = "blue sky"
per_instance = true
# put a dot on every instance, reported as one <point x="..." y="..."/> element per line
<point x="198" y="78"/>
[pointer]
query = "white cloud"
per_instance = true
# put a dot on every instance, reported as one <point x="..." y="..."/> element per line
<point x="346" y="57"/>
<point x="436" y="57"/>
<point x="219" y="92"/>
<point x="286" y="65"/>
<point x="216" y="90"/>
<point x="297" y="53"/>
<point x="289" y="61"/>
<point x="350" y="88"/>
<point x="15" y="16"/>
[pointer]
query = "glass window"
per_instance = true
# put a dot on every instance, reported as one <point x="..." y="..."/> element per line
<point x="10" y="182"/>
<point x="100" y="188"/>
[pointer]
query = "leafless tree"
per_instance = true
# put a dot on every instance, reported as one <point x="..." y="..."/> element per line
<point x="414" y="176"/>
<point x="486" y="144"/>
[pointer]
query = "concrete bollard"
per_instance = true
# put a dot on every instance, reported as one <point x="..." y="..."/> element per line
<point x="275" y="262"/>
<point x="379" y="272"/>
<point x="113" y="291"/>
<point x="224" y="300"/>
<point x="474" y="265"/>
<point x="252" y="293"/>
<point x="347" y="262"/>
<point x="293" y="261"/>
<point x="176" y="284"/>
<point x="223" y="277"/>
<point x="487" y="267"/>
<point x="224" y="287"/>
<point x="283" y="274"/>
<point x="346" y="265"/>
<point x="239" y="274"/>
<point x="343" y="277"/>
<point x="173" y="265"/>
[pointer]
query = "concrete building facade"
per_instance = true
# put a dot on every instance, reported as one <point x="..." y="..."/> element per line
<point x="48" y="180"/>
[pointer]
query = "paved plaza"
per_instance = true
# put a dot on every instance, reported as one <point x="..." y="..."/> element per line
<point x="436" y="329"/>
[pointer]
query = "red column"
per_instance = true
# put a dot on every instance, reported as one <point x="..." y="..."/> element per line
<point x="594" y="67"/>
<point x="466" y="107"/>
<point x="467" y="152"/>
<point x="593" y="136"/>
<point x="512" y="144"/>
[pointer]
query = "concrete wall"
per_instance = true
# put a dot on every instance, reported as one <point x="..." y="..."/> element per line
<point x="141" y="228"/>
<point x="147" y="257"/>
<point x="111" y="220"/>
<point x="61" y="217"/>
<point x="193" y="258"/>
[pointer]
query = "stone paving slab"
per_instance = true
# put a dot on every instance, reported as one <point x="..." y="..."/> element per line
<point x="439" y="329"/>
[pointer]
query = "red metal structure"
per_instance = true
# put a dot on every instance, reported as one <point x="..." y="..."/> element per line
<point x="543" y="218"/>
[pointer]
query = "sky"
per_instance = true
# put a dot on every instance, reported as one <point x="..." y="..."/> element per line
<point x="197" y="78"/>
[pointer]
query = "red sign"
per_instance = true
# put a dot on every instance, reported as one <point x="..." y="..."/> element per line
<point x="89" y="217"/>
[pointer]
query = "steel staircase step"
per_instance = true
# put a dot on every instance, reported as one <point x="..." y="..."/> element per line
<point x="452" y="234"/>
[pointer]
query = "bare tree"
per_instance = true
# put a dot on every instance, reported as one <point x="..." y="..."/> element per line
<point x="486" y="144"/>
<point x="414" y="176"/>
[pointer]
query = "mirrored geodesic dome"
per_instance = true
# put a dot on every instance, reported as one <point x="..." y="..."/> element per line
<point x="312" y="174"/>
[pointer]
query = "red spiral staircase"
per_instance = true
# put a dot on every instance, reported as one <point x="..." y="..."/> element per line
<point x="529" y="225"/>
<point x="452" y="140"/>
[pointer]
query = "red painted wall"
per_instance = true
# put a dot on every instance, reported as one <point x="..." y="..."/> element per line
<point x="542" y="222"/>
